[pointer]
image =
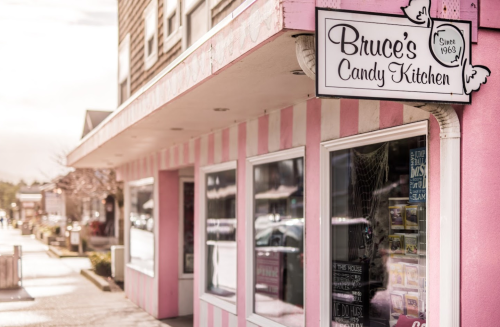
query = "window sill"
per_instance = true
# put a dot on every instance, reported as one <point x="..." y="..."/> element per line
<point x="263" y="322"/>
<point x="224" y="305"/>
<point x="151" y="60"/>
<point x="170" y="41"/>
<point x="141" y="270"/>
<point x="186" y="276"/>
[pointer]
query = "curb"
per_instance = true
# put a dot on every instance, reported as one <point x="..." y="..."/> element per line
<point x="58" y="253"/>
<point x="99" y="281"/>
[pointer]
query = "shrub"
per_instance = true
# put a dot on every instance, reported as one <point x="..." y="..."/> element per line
<point x="101" y="263"/>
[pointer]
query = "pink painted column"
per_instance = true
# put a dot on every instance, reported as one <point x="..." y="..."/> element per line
<point x="241" y="218"/>
<point x="168" y="245"/>
<point x="211" y="149"/>
<point x="480" y="188"/>
<point x="313" y="139"/>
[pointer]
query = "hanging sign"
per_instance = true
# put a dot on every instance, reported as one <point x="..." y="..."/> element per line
<point x="411" y="58"/>
<point x="418" y="175"/>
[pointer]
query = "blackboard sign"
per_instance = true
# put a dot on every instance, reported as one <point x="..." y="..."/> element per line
<point x="350" y="293"/>
<point x="418" y="175"/>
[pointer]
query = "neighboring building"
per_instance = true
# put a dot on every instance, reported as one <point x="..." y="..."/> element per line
<point x="92" y="119"/>
<point x="29" y="202"/>
<point x="53" y="201"/>
<point x="250" y="202"/>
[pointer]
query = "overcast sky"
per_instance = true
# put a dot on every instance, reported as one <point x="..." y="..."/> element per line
<point x="57" y="59"/>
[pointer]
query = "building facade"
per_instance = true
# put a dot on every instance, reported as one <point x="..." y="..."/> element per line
<point x="250" y="202"/>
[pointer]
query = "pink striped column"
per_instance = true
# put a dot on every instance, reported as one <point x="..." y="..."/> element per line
<point x="168" y="254"/>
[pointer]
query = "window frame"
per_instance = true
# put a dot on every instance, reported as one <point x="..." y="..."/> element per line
<point x="186" y="14"/>
<point x="294" y="153"/>
<point x="150" y="60"/>
<point x="182" y="274"/>
<point x="124" y="46"/>
<point x="207" y="297"/>
<point x="385" y="135"/>
<point x="136" y="183"/>
<point x="176" y="35"/>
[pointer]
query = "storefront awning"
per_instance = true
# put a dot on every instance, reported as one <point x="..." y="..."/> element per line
<point x="245" y="64"/>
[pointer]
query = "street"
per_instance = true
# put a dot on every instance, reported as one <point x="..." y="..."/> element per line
<point x="62" y="296"/>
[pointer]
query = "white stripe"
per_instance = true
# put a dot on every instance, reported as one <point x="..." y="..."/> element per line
<point x="412" y="114"/>
<point x="233" y="142"/>
<point x="330" y="119"/>
<point x="249" y="324"/>
<point x="233" y="320"/>
<point x="181" y="154"/>
<point x="218" y="146"/>
<point x="204" y="150"/>
<point x="274" y="130"/>
<point x="369" y="116"/>
<point x="217" y="317"/>
<point x="252" y="137"/>
<point x="191" y="151"/>
<point x="171" y="155"/>
<point x="203" y="314"/>
<point x="299" y="124"/>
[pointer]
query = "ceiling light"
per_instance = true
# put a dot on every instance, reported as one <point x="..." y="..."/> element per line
<point x="221" y="109"/>
<point x="176" y="129"/>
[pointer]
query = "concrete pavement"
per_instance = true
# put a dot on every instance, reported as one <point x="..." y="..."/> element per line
<point x="62" y="296"/>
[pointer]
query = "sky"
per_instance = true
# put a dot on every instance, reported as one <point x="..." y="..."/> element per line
<point x="57" y="59"/>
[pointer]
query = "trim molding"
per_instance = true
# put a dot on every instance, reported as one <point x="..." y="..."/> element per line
<point x="383" y="135"/>
<point x="297" y="152"/>
<point x="209" y="298"/>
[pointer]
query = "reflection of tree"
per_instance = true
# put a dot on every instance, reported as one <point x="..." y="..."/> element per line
<point x="89" y="183"/>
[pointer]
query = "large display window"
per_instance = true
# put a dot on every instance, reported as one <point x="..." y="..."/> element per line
<point x="141" y="237"/>
<point x="277" y="236"/>
<point x="377" y="200"/>
<point x="219" y="253"/>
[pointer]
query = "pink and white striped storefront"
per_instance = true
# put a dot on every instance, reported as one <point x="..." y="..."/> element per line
<point x="270" y="240"/>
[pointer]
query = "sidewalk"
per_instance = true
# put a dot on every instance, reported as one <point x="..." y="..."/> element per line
<point x="62" y="296"/>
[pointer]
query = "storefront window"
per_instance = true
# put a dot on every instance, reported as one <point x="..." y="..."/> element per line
<point x="378" y="233"/>
<point x="142" y="225"/>
<point x="221" y="235"/>
<point x="279" y="241"/>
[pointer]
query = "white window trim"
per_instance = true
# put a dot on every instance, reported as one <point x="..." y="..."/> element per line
<point x="140" y="182"/>
<point x="384" y="135"/>
<point x="124" y="46"/>
<point x="207" y="297"/>
<point x="182" y="275"/>
<point x="176" y="35"/>
<point x="294" y="153"/>
<point x="150" y="60"/>
<point x="186" y="13"/>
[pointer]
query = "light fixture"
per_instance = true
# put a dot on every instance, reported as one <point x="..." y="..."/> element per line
<point x="176" y="129"/>
<point x="298" y="72"/>
<point x="221" y="109"/>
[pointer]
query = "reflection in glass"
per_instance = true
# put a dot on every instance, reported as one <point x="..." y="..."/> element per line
<point x="378" y="234"/>
<point x="279" y="241"/>
<point x="188" y="221"/>
<point x="142" y="227"/>
<point x="221" y="234"/>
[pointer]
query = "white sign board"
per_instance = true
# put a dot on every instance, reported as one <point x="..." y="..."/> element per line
<point x="74" y="238"/>
<point x="405" y="58"/>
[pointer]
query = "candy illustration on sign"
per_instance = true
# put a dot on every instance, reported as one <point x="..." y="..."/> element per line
<point x="447" y="45"/>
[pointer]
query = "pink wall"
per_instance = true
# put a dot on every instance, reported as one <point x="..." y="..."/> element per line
<point x="168" y="250"/>
<point x="480" y="188"/>
<point x="489" y="13"/>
